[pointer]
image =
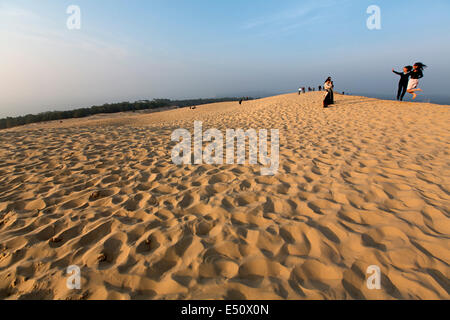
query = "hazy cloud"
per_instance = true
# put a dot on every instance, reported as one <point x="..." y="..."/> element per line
<point x="7" y="10"/>
<point x="292" y="18"/>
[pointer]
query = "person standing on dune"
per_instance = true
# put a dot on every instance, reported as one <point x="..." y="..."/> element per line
<point x="328" y="87"/>
<point x="403" y="83"/>
<point x="416" y="74"/>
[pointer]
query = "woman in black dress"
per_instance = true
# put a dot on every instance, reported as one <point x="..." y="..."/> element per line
<point x="329" y="98"/>
<point x="328" y="87"/>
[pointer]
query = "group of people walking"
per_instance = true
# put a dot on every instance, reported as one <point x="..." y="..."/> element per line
<point x="303" y="90"/>
<point x="310" y="89"/>
<point x="409" y="80"/>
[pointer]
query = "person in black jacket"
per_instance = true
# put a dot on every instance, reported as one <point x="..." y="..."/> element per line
<point x="403" y="83"/>
<point x="416" y="74"/>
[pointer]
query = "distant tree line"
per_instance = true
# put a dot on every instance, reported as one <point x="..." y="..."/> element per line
<point x="106" y="108"/>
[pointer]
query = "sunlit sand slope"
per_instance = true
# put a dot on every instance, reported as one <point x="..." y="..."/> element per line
<point x="364" y="183"/>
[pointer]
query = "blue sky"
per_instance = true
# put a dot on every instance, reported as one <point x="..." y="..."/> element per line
<point x="134" y="49"/>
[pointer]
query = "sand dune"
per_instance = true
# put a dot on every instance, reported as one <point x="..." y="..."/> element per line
<point x="366" y="182"/>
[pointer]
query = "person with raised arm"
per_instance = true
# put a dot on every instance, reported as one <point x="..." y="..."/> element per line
<point x="403" y="83"/>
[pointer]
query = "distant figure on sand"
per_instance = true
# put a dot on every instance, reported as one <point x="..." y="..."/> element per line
<point x="240" y="101"/>
<point x="320" y="88"/>
<point x="416" y="74"/>
<point x="329" y="98"/>
<point x="403" y="83"/>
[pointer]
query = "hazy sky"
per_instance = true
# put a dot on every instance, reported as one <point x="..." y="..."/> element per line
<point x="132" y="49"/>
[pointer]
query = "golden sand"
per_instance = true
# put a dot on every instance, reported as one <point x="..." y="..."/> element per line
<point x="363" y="183"/>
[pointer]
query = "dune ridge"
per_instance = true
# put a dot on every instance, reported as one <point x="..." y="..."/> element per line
<point x="363" y="183"/>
